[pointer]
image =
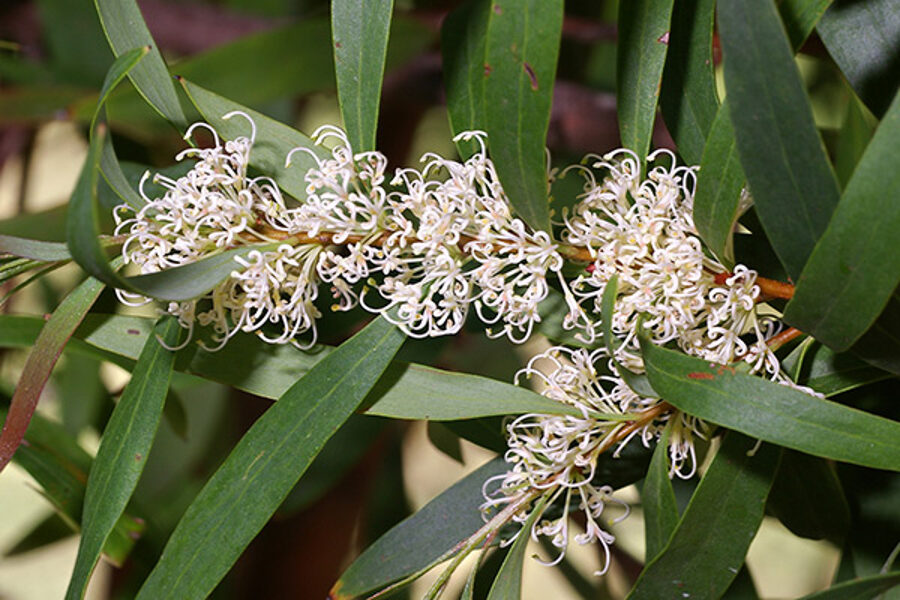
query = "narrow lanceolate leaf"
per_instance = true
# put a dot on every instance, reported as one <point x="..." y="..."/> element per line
<point x="261" y="470"/>
<point x="770" y="411"/>
<point x="865" y="588"/>
<point x="43" y="357"/>
<point x="508" y="583"/>
<point x="658" y="500"/>
<point x="60" y="467"/>
<point x="519" y="70"/>
<point x="855" y="267"/>
<point x="830" y="373"/>
<point x="800" y="17"/>
<point x="276" y="139"/>
<point x="880" y="345"/>
<point x="125" y="29"/>
<point x="862" y="39"/>
<point x="688" y="97"/>
<point x="462" y="49"/>
<point x="422" y="539"/>
<point x="34" y="249"/>
<point x="853" y="138"/>
<point x="407" y="391"/>
<point x="125" y="63"/>
<point x="793" y="185"/>
<point x="638" y="382"/>
<point x="643" y="41"/>
<point x="708" y="547"/>
<point x="360" y="33"/>
<point x="719" y="183"/>
<point x="123" y="450"/>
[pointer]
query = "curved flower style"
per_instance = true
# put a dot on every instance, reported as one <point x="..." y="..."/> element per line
<point x="213" y="207"/>
<point x="643" y="231"/>
<point x="557" y="454"/>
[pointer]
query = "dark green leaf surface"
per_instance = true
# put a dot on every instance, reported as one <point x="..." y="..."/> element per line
<point x="47" y="348"/>
<point x="463" y="37"/>
<point x="808" y="499"/>
<point x="708" y="547"/>
<point x="858" y="589"/>
<point x="854" y="136"/>
<point x="34" y="249"/>
<point x="799" y="18"/>
<point x="508" y="583"/>
<point x="274" y="139"/>
<point x="420" y="540"/>
<point x="831" y="374"/>
<point x="772" y="412"/>
<point x="125" y="29"/>
<point x="261" y="470"/>
<point x="794" y="188"/>
<point x="719" y="185"/>
<point x="855" y="267"/>
<point x="658" y="500"/>
<point x="519" y="71"/>
<point x="863" y="38"/>
<point x="123" y="450"/>
<point x="880" y="345"/>
<point x="688" y="97"/>
<point x="360" y="34"/>
<point x="640" y="57"/>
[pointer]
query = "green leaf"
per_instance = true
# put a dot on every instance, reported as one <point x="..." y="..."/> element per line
<point x="422" y="539"/>
<point x="688" y="95"/>
<point x="123" y="65"/>
<point x="799" y="18"/>
<point x="34" y="249"/>
<point x="830" y="373"/>
<point x="862" y="37"/>
<point x="658" y="500"/>
<point x="60" y="467"/>
<point x="47" y="348"/>
<point x="519" y="72"/>
<point x="793" y="185"/>
<point x="360" y="33"/>
<point x="719" y="185"/>
<point x="706" y="550"/>
<point x="508" y="583"/>
<point x="858" y="589"/>
<point x="463" y="36"/>
<point x="808" y="499"/>
<point x="125" y="29"/>
<point x="880" y="345"/>
<point x="638" y="382"/>
<point x="855" y="267"/>
<point x="640" y="57"/>
<point x="770" y="411"/>
<point x="261" y="470"/>
<point x="123" y="450"/>
<point x="274" y="140"/>
<point x="854" y="136"/>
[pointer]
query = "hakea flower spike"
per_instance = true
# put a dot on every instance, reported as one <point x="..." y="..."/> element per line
<point x="643" y="232"/>
<point x="213" y="207"/>
<point x="558" y="454"/>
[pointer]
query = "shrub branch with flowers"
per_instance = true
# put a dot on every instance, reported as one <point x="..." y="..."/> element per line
<point x="666" y="344"/>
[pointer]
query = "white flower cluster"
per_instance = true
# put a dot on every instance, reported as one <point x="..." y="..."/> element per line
<point x="425" y="245"/>
<point x="430" y="243"/>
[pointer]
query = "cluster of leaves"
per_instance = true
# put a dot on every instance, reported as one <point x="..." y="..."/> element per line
<point x="825" y="216"/>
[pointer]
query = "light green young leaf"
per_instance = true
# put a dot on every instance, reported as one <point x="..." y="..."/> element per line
<point x="360" y="33"/>
<point x="261" y="470"/>
<point x="123" y="450"/>
<point x="640" y="57"/>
